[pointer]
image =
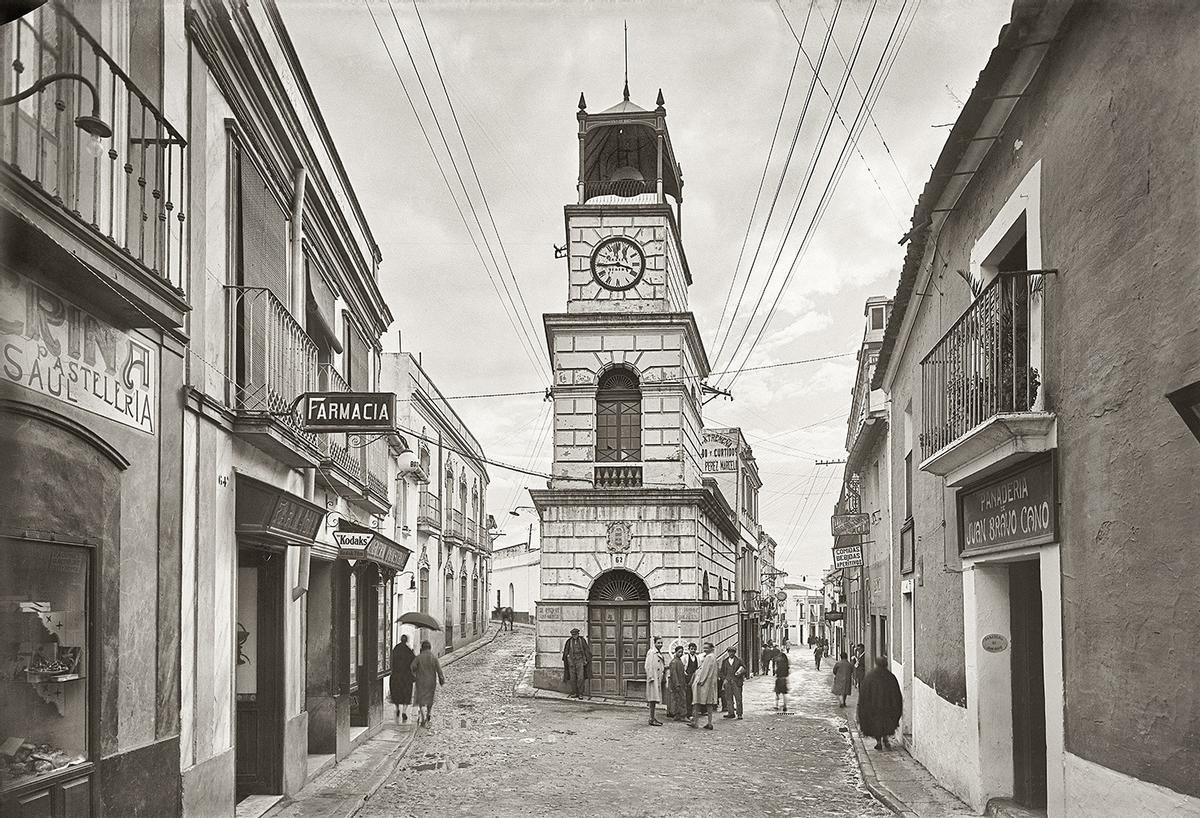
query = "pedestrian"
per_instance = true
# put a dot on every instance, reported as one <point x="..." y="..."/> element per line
<point x="691" y="662"/>
<point x="677" y="704"/>
<point x="732" y="674"/>
<point x="782" y="668"/>
<point x="860" y="663"/>
<point x="704" y="687"/>
<point x="577" y="664"/>
<point x="842" y="672"/>
<point x="656" y="671"/>
<point x="426" y="670"/>
<point x="818" y="653"/>
<point x="787" y="645"/>
<point x="767" y="652"/>
<point x="400" y="684"/>
<point x="880" y="704"/>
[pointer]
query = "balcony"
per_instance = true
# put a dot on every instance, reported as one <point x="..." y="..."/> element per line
<point x="618" y="477"/>
<point x="375" y="457"/>
<point x="980" y="384"/>
<point x="273" y="362"/>
<point x="429" y="512"/>
<point x="472" y="532"/>
<point x="115" y="203"/>
<point x="453" y="530"/>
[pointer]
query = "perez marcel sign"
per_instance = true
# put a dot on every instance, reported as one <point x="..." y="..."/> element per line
<point x="350" y="411"/>
<point x="1016" y="509"/>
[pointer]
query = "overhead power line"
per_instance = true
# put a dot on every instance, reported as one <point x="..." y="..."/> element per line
<point x="530" y="352"/>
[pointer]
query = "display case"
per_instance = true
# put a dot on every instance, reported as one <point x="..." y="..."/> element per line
<point x="44" y="661"/>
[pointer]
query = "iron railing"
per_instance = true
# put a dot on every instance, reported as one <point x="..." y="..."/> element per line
<point x="375" y="455"/>
<point x="618" y="477"/>
<point x="472" y="532"/>
<point x="272" y="360"/>
<point x="332" y="380"/>
<point x="981" y="367"/>
<point x="429" y="511"/>
<point x="456" y="524"/>
<point x="128" y="187"/>
<point x="625" y="188"/>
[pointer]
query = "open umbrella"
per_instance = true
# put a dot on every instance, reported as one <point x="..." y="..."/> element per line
<point x="421" y="620"/>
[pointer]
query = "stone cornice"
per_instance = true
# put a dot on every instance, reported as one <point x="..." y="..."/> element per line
<point x="616" y="322"/>
<point x="591" y="497"/>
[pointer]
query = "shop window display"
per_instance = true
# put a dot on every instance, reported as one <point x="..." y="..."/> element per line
<point x="44" y="660"/>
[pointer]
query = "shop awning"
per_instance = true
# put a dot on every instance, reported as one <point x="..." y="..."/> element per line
<point x="357" y="542"/>
<point x="269" y="512"/>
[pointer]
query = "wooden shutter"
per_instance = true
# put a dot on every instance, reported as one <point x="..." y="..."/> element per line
<point x="357" y="358"/>
<point x="263" y="234"/>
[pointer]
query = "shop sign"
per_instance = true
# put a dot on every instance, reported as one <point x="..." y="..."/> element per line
<point x="843" y="524"/>
<point x="56" y="348"/>
<point x="265" y="509"/>
<point x="995" y="643"/>
<point x="1014" y="510"/>
<point x="847" y="556"/>
<point x="358" y="545"/>
<point x="719" y="453"/>
<point x="834" y="616"/>
<point x="350" y="411"/>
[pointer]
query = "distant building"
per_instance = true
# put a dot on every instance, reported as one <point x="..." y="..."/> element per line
<point x="805" y="611"/>
<point x="516" y="568"/>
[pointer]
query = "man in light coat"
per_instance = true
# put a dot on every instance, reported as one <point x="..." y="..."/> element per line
<point x="656" y="671"/>
<point x="704" y="687"/>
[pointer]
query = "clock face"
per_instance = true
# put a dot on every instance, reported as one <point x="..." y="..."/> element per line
<point x="618" y="263"/>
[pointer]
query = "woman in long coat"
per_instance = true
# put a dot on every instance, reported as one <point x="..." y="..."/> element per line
<point x="880" y="704"/>
<point x="677" y="686"/>
<point x="704" y="687"/>
<point x="426" y="671"/>
<point x="400" y="684"/>
<point x="842" y="674"/>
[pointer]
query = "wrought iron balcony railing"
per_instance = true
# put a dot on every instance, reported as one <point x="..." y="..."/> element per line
<point x="456" y="524"/>
<point x="331" y="380"/>
<point x="429" y="511"/>
<point x="625" y="188"/>
<point x="982" y="366"/>
<point x="618" y="477"/>
<point x="375" y="462"/>
<point x="472" y="532"/>
<point x="272" y="359"/>
<point x="128" y="187"/>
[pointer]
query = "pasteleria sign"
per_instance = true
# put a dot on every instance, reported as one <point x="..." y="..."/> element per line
<point x="350" y="411"/>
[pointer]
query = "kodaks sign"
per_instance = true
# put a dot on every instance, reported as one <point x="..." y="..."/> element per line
<point x="350" y="411"/>
<point x="56" y="348"/>
<point x="1016" y="509"/>
<point x="357" y="545"/>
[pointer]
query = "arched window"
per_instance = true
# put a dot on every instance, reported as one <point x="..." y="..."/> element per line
<point x="618" y="417"/>
<point x="424" y="590"/>
<point x="425" y="461"/>
<point x="619" y="585"/>
<point x="512" y="596"/>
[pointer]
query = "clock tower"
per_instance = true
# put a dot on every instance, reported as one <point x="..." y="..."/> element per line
<point x="635" y="541"/>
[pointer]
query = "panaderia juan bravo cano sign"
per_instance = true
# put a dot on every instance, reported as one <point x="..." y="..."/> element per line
<point x="1015" y="509"/>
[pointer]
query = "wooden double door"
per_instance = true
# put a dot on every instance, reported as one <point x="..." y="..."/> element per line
<point x="619" y="633"/>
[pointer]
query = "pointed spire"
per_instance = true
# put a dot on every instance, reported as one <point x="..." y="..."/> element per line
<point x="582" y="102"/>
<point x="660" y="102"/>
<point x="626" y="91"/>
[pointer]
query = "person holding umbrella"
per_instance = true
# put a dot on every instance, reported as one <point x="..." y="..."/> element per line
<point x="400" y="683"/>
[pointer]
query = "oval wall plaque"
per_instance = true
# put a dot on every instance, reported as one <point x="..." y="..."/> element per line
<point x="995" y="643"/>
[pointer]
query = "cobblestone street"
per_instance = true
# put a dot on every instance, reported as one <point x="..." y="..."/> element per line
<point x="492" y="754"/>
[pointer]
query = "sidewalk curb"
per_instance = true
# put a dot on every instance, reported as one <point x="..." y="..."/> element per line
<point x="524" y="689"/>
<point x="866" y="768"/>
<point x="386" y="770"/>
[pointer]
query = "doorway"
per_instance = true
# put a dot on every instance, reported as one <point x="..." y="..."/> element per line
<point x="258" y="636"/>
<point x="1028" y="685"/>
<point x="619" y="631"/>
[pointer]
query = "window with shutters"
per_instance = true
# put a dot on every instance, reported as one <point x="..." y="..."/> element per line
<point x="358" y="357"/>
<point x="262" y="231"/>
<point x="618" y="417"/>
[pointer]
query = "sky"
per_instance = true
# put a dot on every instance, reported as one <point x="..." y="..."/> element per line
<point x="514" y="72"/>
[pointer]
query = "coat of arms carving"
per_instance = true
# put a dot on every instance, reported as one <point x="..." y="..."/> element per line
<point x="620" y="537"/>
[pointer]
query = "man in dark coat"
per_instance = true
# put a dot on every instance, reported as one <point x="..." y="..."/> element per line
<point x="732" y="673"/>
<point x="401" y="682"/>
<point x="768" y="653"/>
<point x="577" y="664"/>
<point x="691" y="663"/>
<point x="677" y="683"/>
<point x="880" y="704"/>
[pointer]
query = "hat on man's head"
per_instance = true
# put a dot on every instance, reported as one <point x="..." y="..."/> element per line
<point x="574" y="631"/>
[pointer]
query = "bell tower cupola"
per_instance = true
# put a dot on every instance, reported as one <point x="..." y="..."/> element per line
<point x="623" y="232"/>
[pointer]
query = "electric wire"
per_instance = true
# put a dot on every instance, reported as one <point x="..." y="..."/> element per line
<point x="533" y="358"/>
<point x="779" y="186"/>
<point x="810" y="171"/>
<point x="471" y="162"/>
<point x="762" y="180"/>
<point x="874" y="89"/>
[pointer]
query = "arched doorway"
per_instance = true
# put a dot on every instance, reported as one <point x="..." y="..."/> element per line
<point x="618" y="629"/>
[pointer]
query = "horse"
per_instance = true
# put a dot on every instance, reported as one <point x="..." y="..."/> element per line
<point x="506" y="618"/>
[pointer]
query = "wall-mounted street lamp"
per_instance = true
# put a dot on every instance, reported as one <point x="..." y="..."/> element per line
<point x="412" y="579"/>
<point x="515" y="511"/>
<point x="88" y="123"/>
